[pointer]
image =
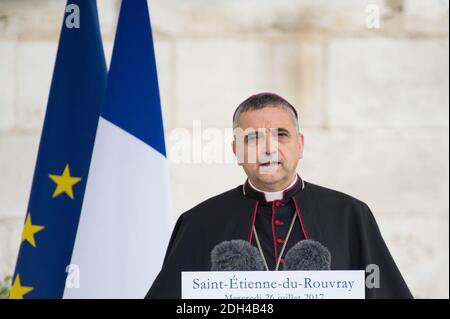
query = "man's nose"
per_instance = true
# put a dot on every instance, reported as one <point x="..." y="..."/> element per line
<point x="270" y="145"/>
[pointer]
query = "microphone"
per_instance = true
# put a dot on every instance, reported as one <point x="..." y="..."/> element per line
<point x="236" y="255"/>
<point x="307" y="255"/>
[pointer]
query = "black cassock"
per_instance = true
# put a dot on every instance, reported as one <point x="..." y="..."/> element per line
<point x="342" y="223"/>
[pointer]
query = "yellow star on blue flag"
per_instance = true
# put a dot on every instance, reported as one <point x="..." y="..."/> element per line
<point x="64" y="182"/>
<point x="29" y="230"/>
<point x="17" y="291"/>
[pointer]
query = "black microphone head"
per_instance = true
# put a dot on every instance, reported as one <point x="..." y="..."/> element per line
<point x="236" y="255"/>
<point x="307" y="255"/>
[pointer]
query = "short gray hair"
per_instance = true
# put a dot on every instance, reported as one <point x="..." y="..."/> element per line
<point x="262" y="100"/>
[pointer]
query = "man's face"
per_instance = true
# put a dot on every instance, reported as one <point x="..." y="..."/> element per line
<point x="271" y="147"/>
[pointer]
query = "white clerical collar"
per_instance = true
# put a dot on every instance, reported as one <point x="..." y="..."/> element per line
<point x="271" y="196"/>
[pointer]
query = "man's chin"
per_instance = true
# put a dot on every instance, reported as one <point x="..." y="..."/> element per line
<point x="270" y="170"/>
<point x="269" y="178"/>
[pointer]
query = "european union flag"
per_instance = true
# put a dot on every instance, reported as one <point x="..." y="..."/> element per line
<point x="65" y="151"/>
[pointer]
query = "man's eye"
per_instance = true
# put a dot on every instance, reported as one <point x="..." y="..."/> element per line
<point x="251" y="139"/>
<point x="254" y="137"/>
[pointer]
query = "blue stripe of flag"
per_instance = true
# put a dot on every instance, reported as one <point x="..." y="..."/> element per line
<point x="132" y="100"/>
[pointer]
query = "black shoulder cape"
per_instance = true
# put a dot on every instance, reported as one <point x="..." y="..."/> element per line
<point x="345" y="225"/>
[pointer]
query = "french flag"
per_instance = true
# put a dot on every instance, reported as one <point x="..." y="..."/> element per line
<point x="125" y="220"/>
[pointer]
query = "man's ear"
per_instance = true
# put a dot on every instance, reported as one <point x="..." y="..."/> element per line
<point x="301" y="143"/>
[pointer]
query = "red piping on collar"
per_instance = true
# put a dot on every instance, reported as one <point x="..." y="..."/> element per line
<point x="300" y="218"/>
<point x="250" y="236"/>
<point x="296" y="181"/>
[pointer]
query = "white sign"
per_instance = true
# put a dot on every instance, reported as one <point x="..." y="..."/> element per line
<point x="323" y="284"/>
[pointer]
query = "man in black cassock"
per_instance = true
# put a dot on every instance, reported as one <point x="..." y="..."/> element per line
<point x="268" y="145"/>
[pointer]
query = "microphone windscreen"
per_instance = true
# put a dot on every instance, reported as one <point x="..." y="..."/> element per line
<point x="236" y="255"/>
<point x="307" y="255"/>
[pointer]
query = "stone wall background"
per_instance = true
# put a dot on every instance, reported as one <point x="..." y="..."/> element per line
<point x="373" y="104"/>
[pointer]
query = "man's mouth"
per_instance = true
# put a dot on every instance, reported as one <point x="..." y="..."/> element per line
<point x="270" y="163"/>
